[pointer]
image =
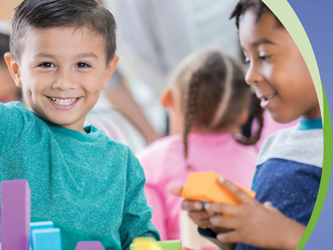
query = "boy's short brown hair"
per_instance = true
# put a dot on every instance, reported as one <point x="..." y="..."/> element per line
<point x="43" y="14"/>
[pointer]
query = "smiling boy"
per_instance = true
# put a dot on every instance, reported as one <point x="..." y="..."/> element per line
<point x="289" y="164"/>
<point x="91" y="187"/>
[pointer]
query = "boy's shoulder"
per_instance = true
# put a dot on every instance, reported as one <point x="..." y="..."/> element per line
<point x="293" y="144"/>
<point x="15" y="106"/>
<point x="15" y="116"/>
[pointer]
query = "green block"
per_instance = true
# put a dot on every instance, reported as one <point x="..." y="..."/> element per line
<point x="166" y="245"/>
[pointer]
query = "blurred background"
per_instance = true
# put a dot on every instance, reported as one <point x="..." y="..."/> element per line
<point x="153" y="37"/>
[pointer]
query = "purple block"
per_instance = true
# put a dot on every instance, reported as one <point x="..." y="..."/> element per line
<point x="15" y="215"/>
<point x="89" y="245"/>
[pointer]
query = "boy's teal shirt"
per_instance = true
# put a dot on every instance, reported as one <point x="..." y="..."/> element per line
<point x="90" y="186"/>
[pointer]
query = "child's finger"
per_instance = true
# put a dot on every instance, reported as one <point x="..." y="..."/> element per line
<point x="222" y="208"/>
<point x="230" y="237"/>
<point x="224" y="222"/>
<point x="176" y="191"/>
<point x="192" y="205"/>
<point x="203" y="223"/>
<point x="200" y="215"/>
<point x="239" y="193"/>
<point x="269" y="205"/>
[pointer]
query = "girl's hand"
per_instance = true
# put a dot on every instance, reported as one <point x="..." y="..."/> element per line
<point x="253" y="223"/>
<point x="197" y="212"/>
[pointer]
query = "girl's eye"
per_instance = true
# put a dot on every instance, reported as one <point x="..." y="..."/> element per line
<point x="46" y="65"/>
<point x="83" y="65"/>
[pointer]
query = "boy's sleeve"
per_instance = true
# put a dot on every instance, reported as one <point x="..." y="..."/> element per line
<point x="12" y="122"/>
<point x="291" y="186"/>
<point x="137" y="214"/>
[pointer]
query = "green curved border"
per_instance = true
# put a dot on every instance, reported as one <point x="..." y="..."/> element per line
<point x="287" y="16"/>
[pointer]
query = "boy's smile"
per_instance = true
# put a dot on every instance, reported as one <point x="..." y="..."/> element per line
<point x="277" y="71"/>
<point x="61" y="72"/>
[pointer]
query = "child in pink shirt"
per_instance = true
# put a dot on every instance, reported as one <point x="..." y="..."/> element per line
<point x="208" y="101"/>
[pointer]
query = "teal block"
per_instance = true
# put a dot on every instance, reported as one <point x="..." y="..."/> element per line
<point x="47" y="239"/>
<point x="39" y="225"/>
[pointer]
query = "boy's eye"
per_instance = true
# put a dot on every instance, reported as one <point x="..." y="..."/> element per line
<point x="82" y="65"/>
<point x="264" y="58"/>
<point x="46" y="65"/>
<point x="246" y="60"/>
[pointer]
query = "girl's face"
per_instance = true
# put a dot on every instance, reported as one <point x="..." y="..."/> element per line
<point x="277" y="71"/>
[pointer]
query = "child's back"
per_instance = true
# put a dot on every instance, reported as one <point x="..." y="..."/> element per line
<point x="163" y="163"/>
<point x="208" y="103"/>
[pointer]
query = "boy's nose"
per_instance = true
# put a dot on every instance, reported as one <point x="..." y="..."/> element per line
<point x="64" y="81"/>
<point x="253" y="76"/>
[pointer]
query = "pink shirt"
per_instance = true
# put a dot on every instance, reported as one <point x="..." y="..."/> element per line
<point x="164" y="166"/>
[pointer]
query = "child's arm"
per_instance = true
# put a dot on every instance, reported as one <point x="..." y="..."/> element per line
<point x="252" y="223"/>
<point x="12" y="123"/>
<point x="136" y="221"/>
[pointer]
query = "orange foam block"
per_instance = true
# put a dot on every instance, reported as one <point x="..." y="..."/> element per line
<point x="204" y="186"/>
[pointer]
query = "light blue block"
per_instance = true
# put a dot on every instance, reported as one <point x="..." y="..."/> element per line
<point x="47" y="239"/>
<point x="39" y="225"/>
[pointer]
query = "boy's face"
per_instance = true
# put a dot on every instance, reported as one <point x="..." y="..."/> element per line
<point x="61" y="72"/>
<point x="277" y="71"/>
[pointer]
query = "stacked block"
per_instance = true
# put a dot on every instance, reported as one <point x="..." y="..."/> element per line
<point x="209" y="190"/>
<point x="15" y="215"/>
<point x="190" y="236"/>
<point x="39" y="225"/>
<point x="151" y="244"/>
<point x="46" y="239"/>
<point x="89" y="245"/>
<point x="145" y="244"/>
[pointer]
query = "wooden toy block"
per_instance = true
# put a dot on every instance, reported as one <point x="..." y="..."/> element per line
<point x="89" y="245"/>
<point x="46" y="239"/>
<point x="15" y="215"/>
<point x="170" y="244"/>
<point x="145" y="244"/>
<point x="189" y="234"/>
<point x="165" y="245"/>
<point x="204" y="186"/>
<point x="39" y="225"/>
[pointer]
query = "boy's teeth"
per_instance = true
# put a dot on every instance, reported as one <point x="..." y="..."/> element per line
<point x="269" y="97"/>
<point x="63" y="101"/>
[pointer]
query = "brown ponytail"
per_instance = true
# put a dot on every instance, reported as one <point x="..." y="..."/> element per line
<point x="214" y="94"/>
<point x="258" y="114"/>
<point x="190" y="113"/>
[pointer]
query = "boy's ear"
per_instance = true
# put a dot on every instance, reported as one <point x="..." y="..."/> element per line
<point x="109" y="71"/>
<point x="14" y="69"/>
<point x="166" y="97"/>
